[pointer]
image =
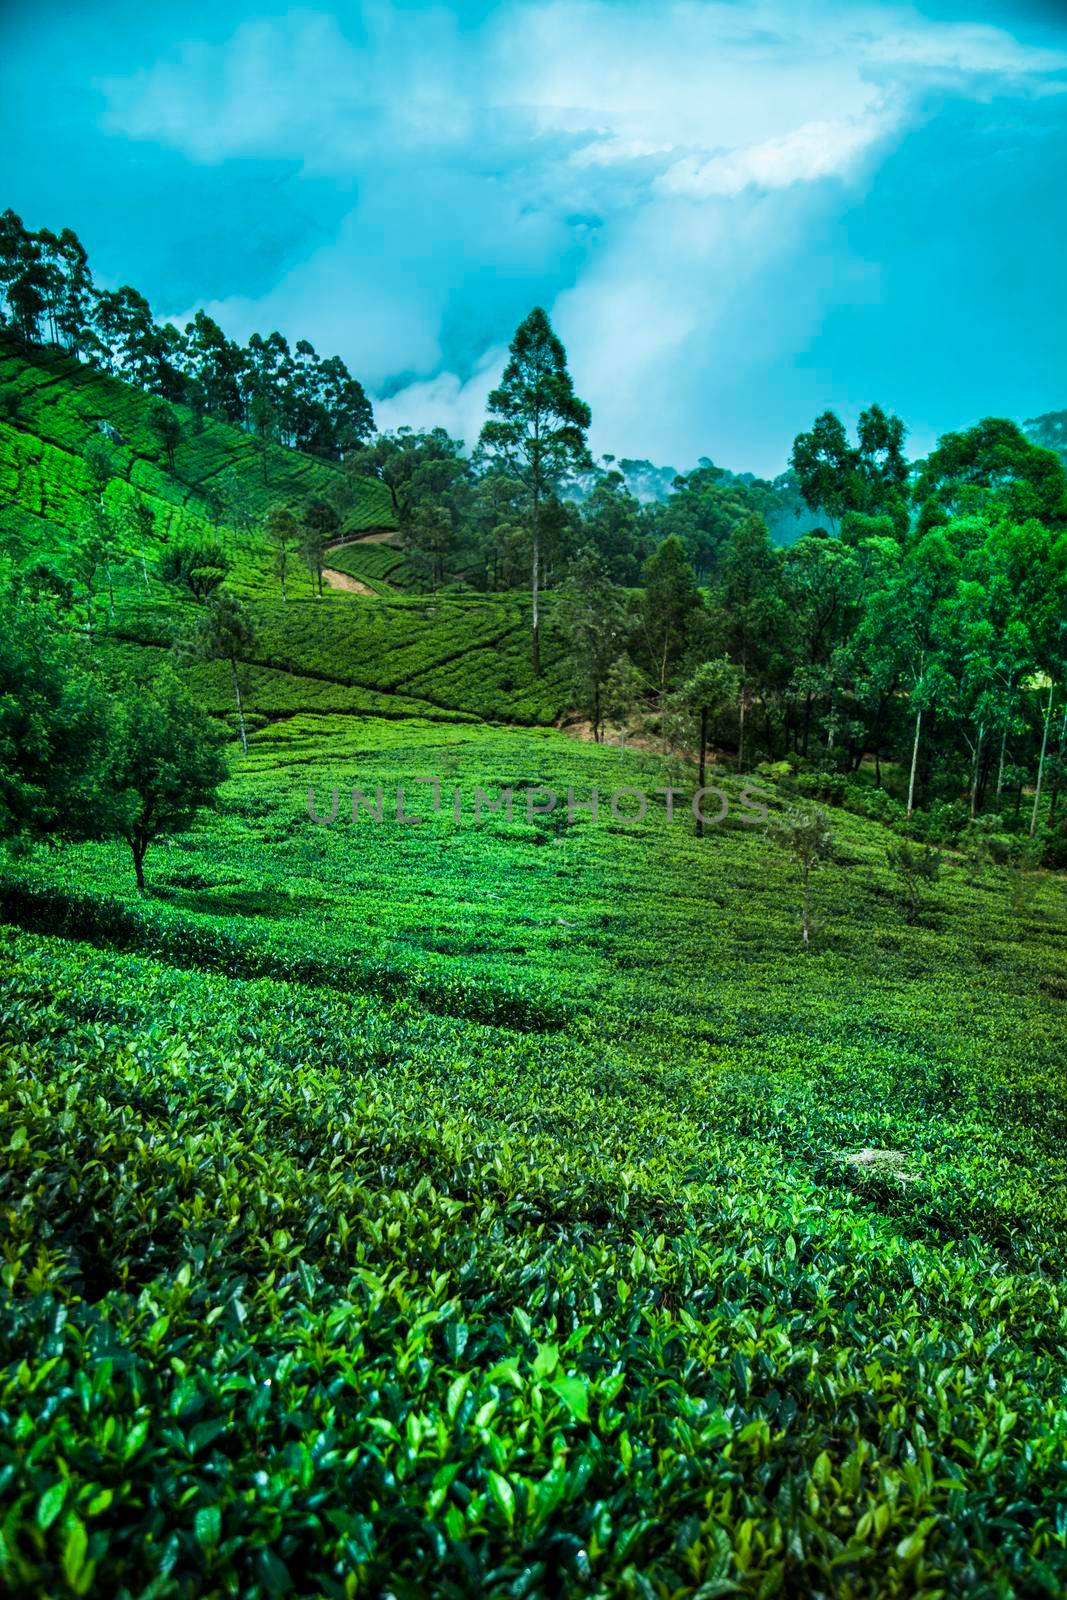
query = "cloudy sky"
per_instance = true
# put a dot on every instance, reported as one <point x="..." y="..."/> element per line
<point x="736" y="214"/>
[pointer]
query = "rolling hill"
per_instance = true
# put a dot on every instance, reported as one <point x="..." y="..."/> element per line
<point x="500" y="1203"/>
<point x="52" y="408"/>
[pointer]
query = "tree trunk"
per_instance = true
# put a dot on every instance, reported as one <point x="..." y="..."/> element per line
<point x="1041" y="761"/>
<point x="1000" y="764"/>
<point x="741" y="731"/>
<point x="807" y="905"/>
<point x="702" y="765"/>
<point x="596" y="713"/>
<point x="914" y="762"/>
<point x="1055" y="793"/>
<point x="138" y="865"/>
<point x="240" y="712"/>
<point x="535" y="616"/>
<point x="975" y="765"/>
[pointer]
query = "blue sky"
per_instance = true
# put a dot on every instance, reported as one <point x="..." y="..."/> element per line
<point x="737" y="214"/>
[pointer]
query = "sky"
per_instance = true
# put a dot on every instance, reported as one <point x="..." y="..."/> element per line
<point x="736" y="214"/>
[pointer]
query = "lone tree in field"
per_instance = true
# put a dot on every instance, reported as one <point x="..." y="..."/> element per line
<point x="166" y="765"/>
<point x="536" y="430"/>
<point x="805" y="833"/>
<point x="320" y="524"/>
<point x="199" y="568"/>
<point x="703" y="696"/>
<point x="166" y="425"/>
<point x="283" y="535"/>
<point x="224" y="633"/>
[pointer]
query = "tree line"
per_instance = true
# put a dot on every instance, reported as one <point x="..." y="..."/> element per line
<point x="288" y="395"/>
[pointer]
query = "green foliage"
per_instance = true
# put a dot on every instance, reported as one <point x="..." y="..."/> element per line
<point x="164" y="764"/>
<point x="915" y="866"/>
<point x="55" y="730"/>
<point x="385" y="568"/>
<point x="198" y="568"/>
<point x="456" y="1207"/>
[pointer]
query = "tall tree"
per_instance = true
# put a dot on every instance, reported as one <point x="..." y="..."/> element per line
<point x="593" y="619"/>
<point x="283" y="536"/>
<point x="667" y="610"/>
<point x="225" y="633"/>
<point x="537" y="430"/>
<point x="705" y="693"/>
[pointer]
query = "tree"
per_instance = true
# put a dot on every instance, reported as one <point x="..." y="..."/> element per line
<point x="611" y="519"/>
<point x="915" y="866"/>
<point x="166" y="763"/>
<point x="165" y="424"/>
<point x="668" y="606"/>
<point x="821" y="585"/>
<point x="708" y="689"/>
<point x="593" y="620"/>
<point x="537" y="431"/>
<point x="199" y="568"/>
<point x="825" y="466"/>
<point x="319" y="524"/>
<point x="751" y="613"/>
<point x="837" y="478"/>
<point x="431" y="539"/>
<point x="283" y="535"/>
<point x="55" y="732"/>
<point x="225" y="633"/>
<point x="805" y="833"/>
<point x="991" y="468"/>
<point x="625" y="690"/>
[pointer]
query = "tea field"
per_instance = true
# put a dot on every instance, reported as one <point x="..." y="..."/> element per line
<point x="54" y="408"/>
<point x="383" y="567"/>
<point x="512" y="1207"/>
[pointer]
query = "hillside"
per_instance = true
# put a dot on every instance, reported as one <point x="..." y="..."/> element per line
<point x="495" y="1197"/>
<point x="516" y="1198"/>
<point x="53" y="407"/>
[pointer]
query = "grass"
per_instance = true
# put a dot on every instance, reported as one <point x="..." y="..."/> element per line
<point x="468" y="1209"/>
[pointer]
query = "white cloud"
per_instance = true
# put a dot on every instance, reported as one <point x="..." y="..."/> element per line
<point x="639" y="167"/>
<point x="814" y="150"/>
<point x="445" y="401"/>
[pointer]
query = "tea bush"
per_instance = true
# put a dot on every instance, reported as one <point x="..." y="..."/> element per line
<point x="514" y="1209"/>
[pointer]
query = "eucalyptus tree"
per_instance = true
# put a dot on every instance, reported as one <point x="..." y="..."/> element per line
<point x="537" y="431"/>
<point x="706" y="692"/>
<point x="225" y="632"/>
<point x="592" y="616"/>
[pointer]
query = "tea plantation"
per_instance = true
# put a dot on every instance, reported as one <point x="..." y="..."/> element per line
<point x="498" y="1205"/>
<point x="511" y="1207"/>
<point x="383" y="567"/>
<point x="55" y="408"/>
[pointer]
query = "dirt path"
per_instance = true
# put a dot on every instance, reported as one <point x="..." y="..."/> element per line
<point x="340" y="580"/>
<point x="383" y="536"/>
